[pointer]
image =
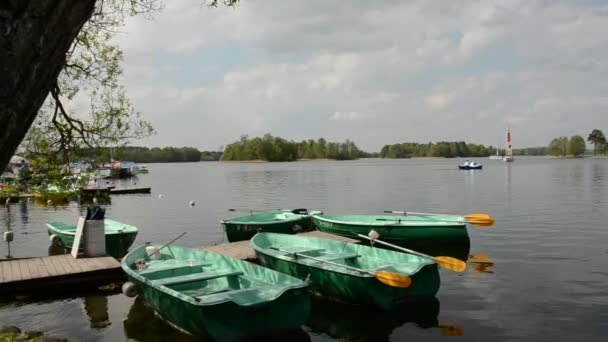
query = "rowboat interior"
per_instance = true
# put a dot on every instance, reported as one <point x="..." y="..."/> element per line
<point x="208" y="282"/>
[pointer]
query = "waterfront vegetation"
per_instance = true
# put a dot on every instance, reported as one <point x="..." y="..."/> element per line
<point x="269" y="148"/>
<point x="575" y="146"/>
<point x="439" y="149"/>
<point x="151" y="155"/>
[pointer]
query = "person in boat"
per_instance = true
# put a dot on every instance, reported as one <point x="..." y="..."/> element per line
<point x="466" y="163"/>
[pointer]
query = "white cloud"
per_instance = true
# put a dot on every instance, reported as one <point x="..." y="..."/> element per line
<point x="422" y="70"/>
<point x="348" y="116"/>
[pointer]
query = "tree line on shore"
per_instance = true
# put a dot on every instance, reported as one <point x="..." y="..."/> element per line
<point x="445" y="149"/>
<point x="150" y="155"/>
<point x="575" y="145"/>
<point x="269" y="148"/>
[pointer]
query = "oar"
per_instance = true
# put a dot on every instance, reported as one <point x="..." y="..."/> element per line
<point x="480" y="223"/>
<point x="483" y="220"/>
<point x="446" y="262"/>
<point x="167" y="244"/>
<point x="388" y="278"/>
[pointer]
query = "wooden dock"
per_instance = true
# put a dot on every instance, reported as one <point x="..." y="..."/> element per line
<point x="242" y="249"/>
<point x="56" y="273"/>
<point x="130" y="191"/>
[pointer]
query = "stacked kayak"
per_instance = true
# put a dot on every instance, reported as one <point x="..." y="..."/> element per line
<point x="204" y="293"/>
<point x="274" y="221"/>
<point x="394" y="228"/>
<point x="349" y="272"/>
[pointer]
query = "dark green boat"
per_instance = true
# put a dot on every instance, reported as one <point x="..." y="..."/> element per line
<point x="119" y="236"/>
<point x="333" y="273"/>
<point x="274" y="221"/>
<point x="394" y="228"/>
<point x="208" y="294"/>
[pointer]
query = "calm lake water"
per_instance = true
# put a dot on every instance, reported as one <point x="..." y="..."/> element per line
<point x="539" y="274"/>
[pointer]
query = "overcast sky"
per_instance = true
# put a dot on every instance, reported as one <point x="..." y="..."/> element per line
<point x="376" y="72"/>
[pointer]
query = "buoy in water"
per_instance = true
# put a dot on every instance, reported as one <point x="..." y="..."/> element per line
<point x="129" y="289"/>
<point x="192" y="203"/>
<point x="160" y="195"/>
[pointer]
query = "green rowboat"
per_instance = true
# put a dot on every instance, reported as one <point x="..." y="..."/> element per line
<point x="204" y="293"/>
<point x="119" y="236"/>
<point x="274" y="221"/>
<point x="393" y="228"/>
<point x="289" y="254"/>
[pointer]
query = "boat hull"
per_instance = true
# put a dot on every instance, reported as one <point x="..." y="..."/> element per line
<point x="394" y="233"/>
<point x="228" y="321"/>
<point x="117" y="245"/>
<point x="338" y="283"/>
<point x="466" y="167"/>
<point x="193" y="306"/>
<point x="240" y="230"/>
<point x="357" y="290"/>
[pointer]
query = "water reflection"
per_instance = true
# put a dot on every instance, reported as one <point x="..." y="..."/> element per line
<point x="24" y="212"/>
<point x="349" y="322"/>
<point x="479" y="263"/>
<point x="143" y="324"/>
<point x="96" y="308"/>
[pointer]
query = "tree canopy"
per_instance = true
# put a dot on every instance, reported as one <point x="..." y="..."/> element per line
<point x="37" y="37"/>
<point x="597" y="138"/>
<point x="271" y="148"/>
<point x="576" y="146"/>
<point x="439" y="149"/>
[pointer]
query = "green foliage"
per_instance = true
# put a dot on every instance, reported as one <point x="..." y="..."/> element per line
<point x="597" y="138"/>
<point x="530" y="151"/>
<point x="440" y="149"/>
<point x="576" y="146"/>
<point x="92" y="71"/>
<point x="558" y="147"/>
<point x="148" y="155"/>
<point x="271" y="148"/>
<point x="8" y="190"/>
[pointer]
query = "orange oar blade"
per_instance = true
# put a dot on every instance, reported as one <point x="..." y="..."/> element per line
<point x="477" y="217"/>
<point x="393" y="279"/>
<point x="482" y="223"/>
<point x="450" y="263"/>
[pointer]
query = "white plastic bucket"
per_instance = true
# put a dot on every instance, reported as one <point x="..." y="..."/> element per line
<point x="152" y="249"/>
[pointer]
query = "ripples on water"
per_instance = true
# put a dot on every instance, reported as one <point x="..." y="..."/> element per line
<point x="538" y="274"/>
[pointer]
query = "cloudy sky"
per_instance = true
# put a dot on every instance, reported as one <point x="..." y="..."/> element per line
<point x="376" y="72"/>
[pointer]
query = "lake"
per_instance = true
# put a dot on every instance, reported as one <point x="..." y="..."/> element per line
<point x="538" y="274"/>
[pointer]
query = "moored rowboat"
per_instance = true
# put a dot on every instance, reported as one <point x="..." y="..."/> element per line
<point x="393" y="228"/>
<point x="348" y="272"/>
<point x="204" y="293"/>
<point x="119" y="236"/>
<point x="274" y="221"/>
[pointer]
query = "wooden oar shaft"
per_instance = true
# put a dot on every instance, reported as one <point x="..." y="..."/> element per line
<point x="405" y="213"/>
<point x="395" y="246"/>
<point x="167" y="244"/>
<point x="321" y="260"/>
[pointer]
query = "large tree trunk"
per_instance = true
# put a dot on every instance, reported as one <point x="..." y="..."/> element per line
<point x="34" y="38"/>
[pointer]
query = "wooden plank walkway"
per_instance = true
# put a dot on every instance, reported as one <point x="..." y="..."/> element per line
<point x="19" y="276"/>
<point x="242" y="249"/>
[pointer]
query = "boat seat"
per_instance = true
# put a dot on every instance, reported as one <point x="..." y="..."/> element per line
<point x="297" y="249"/>
<point x="338" y="256"/>
<point x="246" y="296"/>
<point x="194" y="277"/>
<point x="173" y="266"/>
